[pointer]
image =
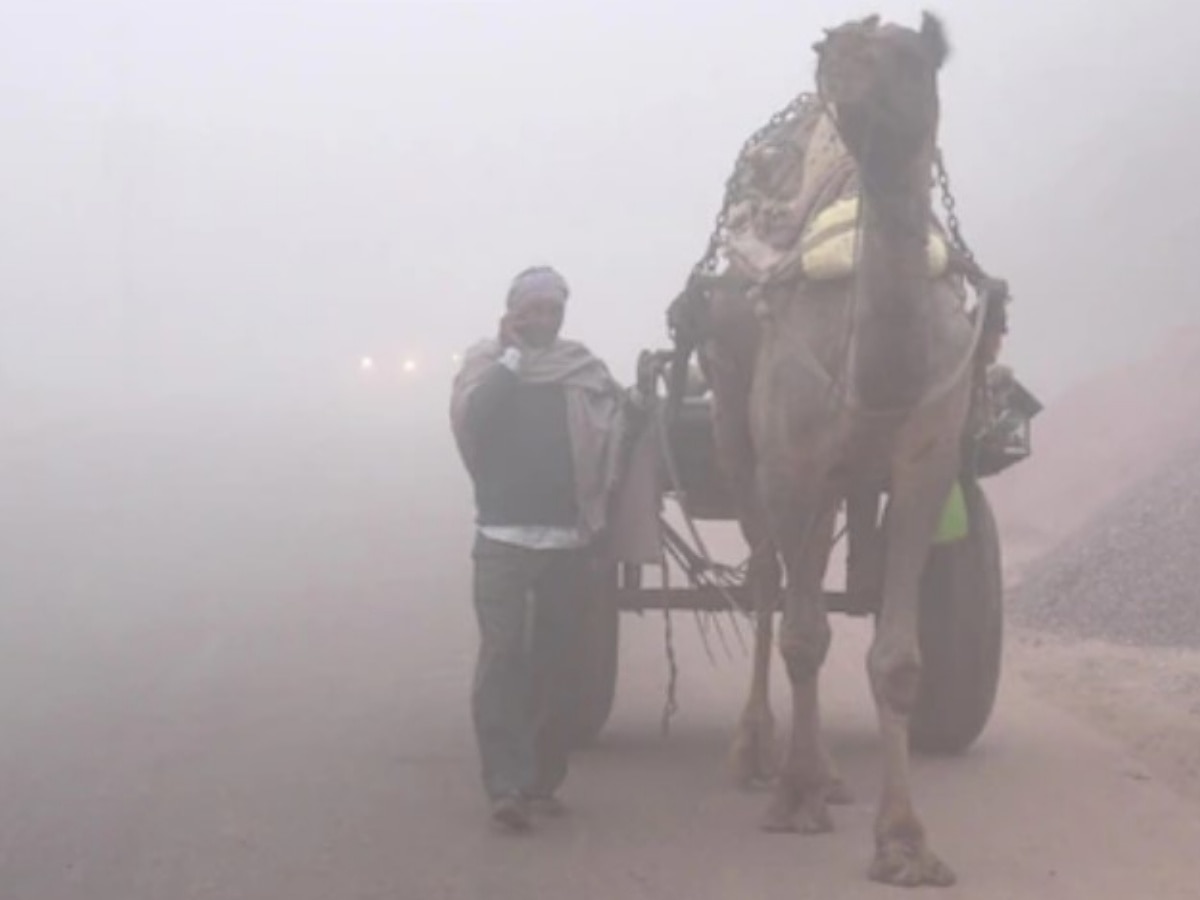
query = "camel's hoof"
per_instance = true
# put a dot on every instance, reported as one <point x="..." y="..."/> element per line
<point x="838" y="793"/>
<point x="905" y="864"/>
<point x="754" y="758"/>
<point x="787" y="815"/>
<point x="777" y="822"/>
<point x="815" y="817"/>
<point x="780" y="817"/>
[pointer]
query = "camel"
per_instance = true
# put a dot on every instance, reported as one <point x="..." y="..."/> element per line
<point x="843" y="391"/>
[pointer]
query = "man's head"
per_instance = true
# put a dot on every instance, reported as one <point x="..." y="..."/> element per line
<point x="537" y="302"/>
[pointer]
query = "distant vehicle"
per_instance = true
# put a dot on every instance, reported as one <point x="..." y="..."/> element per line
<point x="406" y="366"/>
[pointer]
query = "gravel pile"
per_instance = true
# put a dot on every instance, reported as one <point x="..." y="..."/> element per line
<point x="1081" y="462"/>
<point x="1132" y="574"/>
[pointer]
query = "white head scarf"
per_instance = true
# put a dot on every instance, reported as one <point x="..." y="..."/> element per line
<point x="537" y="283"/>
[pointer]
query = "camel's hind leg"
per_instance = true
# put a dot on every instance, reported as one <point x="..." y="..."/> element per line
<point x="754" y="756"/>
<point x="864" y="556"/>
<point x="919" y="490"/>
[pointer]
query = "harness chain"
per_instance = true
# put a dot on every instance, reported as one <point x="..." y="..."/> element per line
<point x="678" y="330"/>
<point x="942" y="179"/>
<point x="801" y="104"/>
<point x="707" y="266"/>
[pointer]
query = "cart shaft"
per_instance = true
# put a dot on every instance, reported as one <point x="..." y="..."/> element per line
<point x="704" y="599"/>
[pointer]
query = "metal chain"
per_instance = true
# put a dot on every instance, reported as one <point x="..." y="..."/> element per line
<point x="982" y="391"/>
<point x="707" y="264"/>
<point x="942" y="178"/>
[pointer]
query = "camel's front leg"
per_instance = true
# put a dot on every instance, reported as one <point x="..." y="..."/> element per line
<point x="804" y="528"/>
<point x="919" y="489"/>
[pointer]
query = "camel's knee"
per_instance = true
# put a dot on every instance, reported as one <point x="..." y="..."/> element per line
<point x="804" y="649"/>
<point x="895" y="676"/>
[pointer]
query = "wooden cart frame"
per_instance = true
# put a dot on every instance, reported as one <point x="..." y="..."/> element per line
<point x="962" y="588"/>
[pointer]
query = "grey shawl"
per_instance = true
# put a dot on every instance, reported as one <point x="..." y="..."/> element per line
<point x="595" y="417"/>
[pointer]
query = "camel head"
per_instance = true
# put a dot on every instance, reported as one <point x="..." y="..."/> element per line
<point x="880" y="83"/>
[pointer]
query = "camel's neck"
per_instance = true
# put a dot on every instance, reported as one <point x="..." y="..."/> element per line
<point x="893" y="296"/>
<point x="898" y="206"/>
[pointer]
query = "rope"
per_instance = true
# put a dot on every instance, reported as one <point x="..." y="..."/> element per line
<point x="671" y="704"/>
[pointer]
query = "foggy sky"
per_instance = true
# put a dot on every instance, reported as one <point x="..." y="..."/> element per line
<point x="199" y="198"/>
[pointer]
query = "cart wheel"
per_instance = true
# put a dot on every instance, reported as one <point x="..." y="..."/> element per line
<point x="598" y="659"/>
<point x="961" y="634"/>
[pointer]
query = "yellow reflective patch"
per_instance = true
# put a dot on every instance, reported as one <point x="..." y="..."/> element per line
<point x="954" y="524"/>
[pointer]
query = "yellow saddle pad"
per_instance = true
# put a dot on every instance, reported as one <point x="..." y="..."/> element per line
<point x="828" y="244"/>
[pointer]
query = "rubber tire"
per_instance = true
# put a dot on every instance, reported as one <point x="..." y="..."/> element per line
<point x="598" y="660"/>
<point x="961" y="635"/>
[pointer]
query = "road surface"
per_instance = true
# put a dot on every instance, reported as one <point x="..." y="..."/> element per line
<point x="239" y="670"/>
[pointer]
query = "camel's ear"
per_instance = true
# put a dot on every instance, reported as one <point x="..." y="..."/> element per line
<point x="933" y="35"/>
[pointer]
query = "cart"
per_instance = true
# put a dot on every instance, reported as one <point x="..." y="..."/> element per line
<point x="962" y="614"/>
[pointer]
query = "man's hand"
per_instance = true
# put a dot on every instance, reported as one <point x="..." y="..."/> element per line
<point x="510" y="332"/>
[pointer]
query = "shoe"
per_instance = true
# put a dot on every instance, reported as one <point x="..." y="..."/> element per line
<point x="546" y="805"/>
<point x="511" y="812"/>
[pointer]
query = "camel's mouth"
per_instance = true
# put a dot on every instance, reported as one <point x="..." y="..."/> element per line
<point x="861" y="124"/>
<point x="880" y="82"/>
<point x="869" y="115"/>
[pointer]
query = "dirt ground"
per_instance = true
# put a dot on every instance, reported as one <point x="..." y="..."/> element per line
<point x="1148" y="700"/>
<point x="235" y="662"/>
<point x="1096" y="529"/>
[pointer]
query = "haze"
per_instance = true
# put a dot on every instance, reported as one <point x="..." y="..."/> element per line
<point x="229" y="199"/>
<point x="236" y="636"/>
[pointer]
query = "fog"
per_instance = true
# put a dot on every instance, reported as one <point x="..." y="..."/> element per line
<point x="211" y="213"/>
<point x="233" y="201"/>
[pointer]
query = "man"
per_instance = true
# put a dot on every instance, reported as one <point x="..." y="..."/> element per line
<point x="538" y="423"/>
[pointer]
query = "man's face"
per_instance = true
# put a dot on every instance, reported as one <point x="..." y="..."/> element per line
<point x="538" y="320"/>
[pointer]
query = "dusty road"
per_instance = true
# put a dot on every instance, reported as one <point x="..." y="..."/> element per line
<point x="247" y="679"/>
